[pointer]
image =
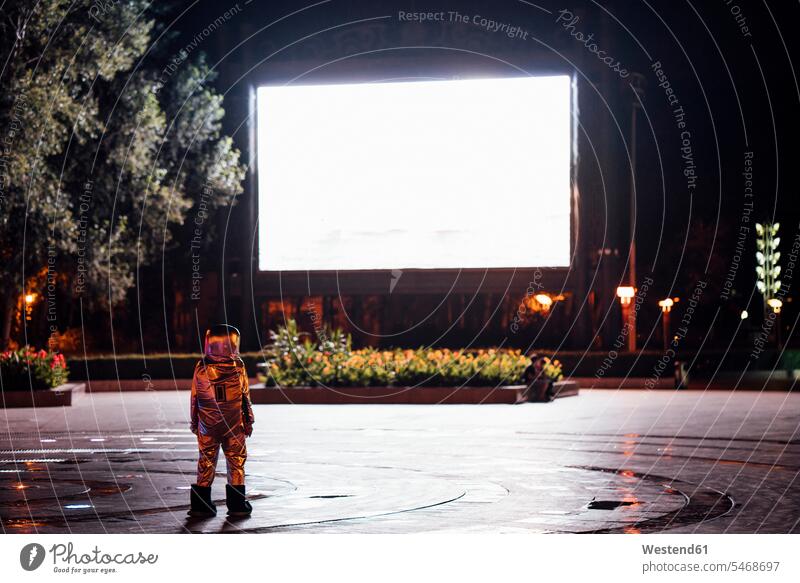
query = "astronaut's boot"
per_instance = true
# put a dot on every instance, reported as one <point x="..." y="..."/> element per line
<point x="201" y="504"/>
<point x="237" y="504"/>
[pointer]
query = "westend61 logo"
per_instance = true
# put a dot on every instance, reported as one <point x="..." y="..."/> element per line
<point x="66" y="560"/>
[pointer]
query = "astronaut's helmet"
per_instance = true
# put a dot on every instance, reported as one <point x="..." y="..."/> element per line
<point x="222" y="341"/>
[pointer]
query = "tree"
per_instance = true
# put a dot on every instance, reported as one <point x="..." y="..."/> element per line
<point x="101" y="148"/>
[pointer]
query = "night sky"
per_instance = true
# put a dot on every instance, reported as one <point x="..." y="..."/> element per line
<point x="729" y="68"/>
<point x="734" y="77"/>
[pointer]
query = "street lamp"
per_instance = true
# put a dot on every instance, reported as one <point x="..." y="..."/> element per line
<point x="626" y="293"/>
<point x="545" y="300"/>
<point x="776" y="305"/>
<point x="29" y="299"/>
<point x="541" y="303"/>
<point x="666" y="308"/>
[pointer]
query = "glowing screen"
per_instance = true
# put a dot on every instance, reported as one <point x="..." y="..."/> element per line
<point x="432" y="174"/>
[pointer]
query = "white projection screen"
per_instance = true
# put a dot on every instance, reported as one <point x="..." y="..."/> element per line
<point x="428" y="175"/>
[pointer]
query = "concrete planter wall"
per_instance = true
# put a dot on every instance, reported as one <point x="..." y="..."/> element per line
<point x="59" y="397"/>
<point x="387" y="395"/>
<point x="568" y="388"/>
<point x="143" y="384"/>
<point x="510" y="395"/>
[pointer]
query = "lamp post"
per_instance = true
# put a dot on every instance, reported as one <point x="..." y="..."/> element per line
<point x="666" y="308"/>
<point x="637" y="85"/>
<point x="626" y="293"/>
<point x="776" y="305"/>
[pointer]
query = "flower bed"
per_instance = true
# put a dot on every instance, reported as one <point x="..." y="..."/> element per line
<point x="293" y="360"/>
<point x="28" y="369"/>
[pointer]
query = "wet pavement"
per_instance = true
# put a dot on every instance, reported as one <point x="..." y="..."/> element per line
<point x="606" y="461"/>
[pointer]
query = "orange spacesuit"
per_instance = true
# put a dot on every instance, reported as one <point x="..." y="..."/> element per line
<point x="221" y="415"/>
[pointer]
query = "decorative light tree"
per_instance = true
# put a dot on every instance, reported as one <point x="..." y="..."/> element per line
<point x="767" y="256"/>
<point x="768" y="271"/>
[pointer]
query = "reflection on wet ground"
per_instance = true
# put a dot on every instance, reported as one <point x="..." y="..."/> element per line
<point x="407" y="469"/>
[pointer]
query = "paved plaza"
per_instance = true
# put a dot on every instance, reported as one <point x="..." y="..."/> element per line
<point x="607" y="461"/>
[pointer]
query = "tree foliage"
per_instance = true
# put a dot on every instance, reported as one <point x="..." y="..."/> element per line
<point x="104" y="149"/>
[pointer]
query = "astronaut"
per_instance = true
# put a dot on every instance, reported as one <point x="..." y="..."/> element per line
<point x="221" y="415"/>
